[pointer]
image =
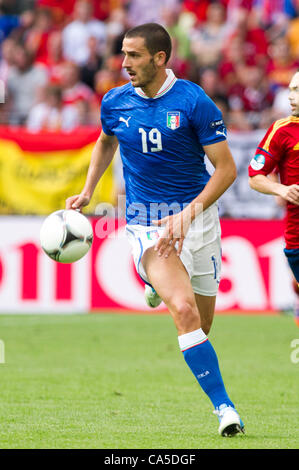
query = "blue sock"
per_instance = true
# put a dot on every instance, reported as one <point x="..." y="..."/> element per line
<point x="202" y="360"/>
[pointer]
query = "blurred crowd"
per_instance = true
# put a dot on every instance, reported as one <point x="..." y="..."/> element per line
<point x="59" y="57"/>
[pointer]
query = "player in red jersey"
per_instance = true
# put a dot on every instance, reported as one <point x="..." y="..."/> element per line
<point x="279" y="149"/>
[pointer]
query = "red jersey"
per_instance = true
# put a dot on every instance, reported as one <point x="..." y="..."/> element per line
<point x="280" y="149"/>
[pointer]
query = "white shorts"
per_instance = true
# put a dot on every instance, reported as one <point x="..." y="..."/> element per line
<point x="201" y="253"/>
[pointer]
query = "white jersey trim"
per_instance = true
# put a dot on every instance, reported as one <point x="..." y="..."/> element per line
<point x="167" y="85"/>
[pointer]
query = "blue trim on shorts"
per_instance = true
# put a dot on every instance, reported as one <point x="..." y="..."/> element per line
<point x="130" y="231"/>
<point x="215" y="266"/>
<point x="293" y="260"/>
<point x="140" y="256"/>
<point x="138" y="262"/>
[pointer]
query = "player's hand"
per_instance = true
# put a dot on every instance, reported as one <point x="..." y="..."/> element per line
<point x="290" y="193"/>
<point x="176" y="228"/>
<point x="77" y="202"/>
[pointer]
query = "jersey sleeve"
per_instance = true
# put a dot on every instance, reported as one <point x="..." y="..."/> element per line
<point x="207" y="121"/>
<point x="268" y="153"/>
<point x="106" y="117"/>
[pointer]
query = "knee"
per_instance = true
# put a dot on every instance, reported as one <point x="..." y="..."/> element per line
<point x="186" y="316"/>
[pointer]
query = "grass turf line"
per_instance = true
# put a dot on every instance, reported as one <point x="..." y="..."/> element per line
<point x="113" y="381"/>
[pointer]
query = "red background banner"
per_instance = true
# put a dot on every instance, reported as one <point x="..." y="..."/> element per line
<point x="255" y="274"/>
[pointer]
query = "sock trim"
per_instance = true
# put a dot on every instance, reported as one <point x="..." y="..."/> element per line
<point x="191" y="339"/>
<point x="195" y="344"/>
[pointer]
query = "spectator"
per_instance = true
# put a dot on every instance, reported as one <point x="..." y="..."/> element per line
<point x="63" y="9"/>
<point x="54" y="60"/>
<point x="198" y="9"/>
<point x="232" y="58"/>
<point x="179" y="36"/>
<point x="255" y="42"/>
<point x="209" y="81"/>
<point x="103" y="8"/>
<point x="52" y="114"/>
<point x="272" y="17"/>
<point x="38" y="35"/>
<point x="237" y="12"/>
<point x="93" y="64"/>
<point x="12" y="23"/>
<point x="7" y="62"/>
<point x="116" y="26"/>
<point x="143" y="11"/>
<point x="7" y="24"/>
<point x="282" y="66"/>
<point x="293" y="34"/>
<point x="251" y="94"/>
<point x="207" y="39"/>
<point x="291" y="8"/>
<point x="180" y="61"/>
<point x="215" y="89"/>
<point x="23" y="85"/>
<point x="73" y="89"/>
<point x="77" y="93"/>
<point x="281" y="105"/>
<point x="77" y="33"/>
<point x="222" y="103"/>
<point x="60" y="10"/>
<point x="110" y="76"/>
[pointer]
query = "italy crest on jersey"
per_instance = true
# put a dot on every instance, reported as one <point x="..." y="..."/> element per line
<point x="173" y="119"/>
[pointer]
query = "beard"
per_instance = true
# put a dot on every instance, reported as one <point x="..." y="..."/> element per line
<point x="147" y="75"/>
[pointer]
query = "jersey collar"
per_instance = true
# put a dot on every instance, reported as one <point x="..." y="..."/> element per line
<point x="167" y="85"/>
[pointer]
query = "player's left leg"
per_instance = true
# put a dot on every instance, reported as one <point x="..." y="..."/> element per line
<point x="226" y="414"/>
<point x="206" y="308"/>
<point x="171" y="281"/>
<point x="205" y="282"/>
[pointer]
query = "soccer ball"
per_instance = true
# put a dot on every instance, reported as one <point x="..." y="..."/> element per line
<point x="66" y="236"/>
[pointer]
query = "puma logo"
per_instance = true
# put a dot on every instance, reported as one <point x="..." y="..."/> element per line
<point x="221" y="133"/>
<point x="126" y="121"/>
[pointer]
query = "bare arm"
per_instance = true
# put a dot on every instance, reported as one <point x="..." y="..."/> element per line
<point x="266" y="185"/>
<point x="101" y="158"/>
<point x="224" y="175"/>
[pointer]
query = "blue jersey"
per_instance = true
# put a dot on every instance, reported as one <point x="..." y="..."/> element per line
<point x="161" y="143"/>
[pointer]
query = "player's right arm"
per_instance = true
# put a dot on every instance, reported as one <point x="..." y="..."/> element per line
<point x="101" y="158"/>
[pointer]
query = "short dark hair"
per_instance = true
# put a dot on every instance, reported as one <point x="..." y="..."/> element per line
<point x="155" y="36"/>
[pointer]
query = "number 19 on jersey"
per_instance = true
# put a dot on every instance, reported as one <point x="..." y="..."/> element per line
<point x="153" y="137"/>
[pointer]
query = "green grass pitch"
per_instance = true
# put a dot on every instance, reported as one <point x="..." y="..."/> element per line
<point x="112" y="381"/>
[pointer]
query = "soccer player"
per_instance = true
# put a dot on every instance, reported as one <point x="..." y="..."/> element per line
<point x="279" y="150"/>
<point x="164" y="126"/>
